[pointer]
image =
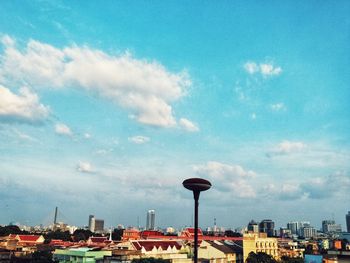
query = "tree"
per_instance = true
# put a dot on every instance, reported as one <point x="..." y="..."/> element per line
<point x="62" y="235"/>
<point x="285" y="259"/>
<point x="81" y="234"/>
<point x="117" y="234"/>
<point x="230" y="233"/>
<point x="150" y="260"/>
<point x="260" y="257"/>
<point x="12" y="229"/>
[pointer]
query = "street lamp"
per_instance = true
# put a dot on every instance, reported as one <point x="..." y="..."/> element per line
<point x="196" y="185"/>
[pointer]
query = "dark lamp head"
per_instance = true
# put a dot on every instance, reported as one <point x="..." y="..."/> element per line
<point x="196" y="184"/>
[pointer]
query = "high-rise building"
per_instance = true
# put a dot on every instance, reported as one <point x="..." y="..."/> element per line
<point x="95" y="225"/>
<point x="308" y="232"/>
<point x="151" y="218"/>
<point x="294" y="227"/>
<point x="99" y="225"/>
<point x="329" y="226"/>
<point x="91" y="223"/>
<point x="253" y="226"/>
<point x="267" y="226"/>
<point x="347" y="217"/>
<point x="303" y="224"/>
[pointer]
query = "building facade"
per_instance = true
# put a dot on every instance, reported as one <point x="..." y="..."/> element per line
<point x="329" y="226"/>
<point x="151" y="220"/>
<point x="267" y="226"/>
<point x="294" y="227"/>
<point x="259" y="242"/>
<point x="347" y="218"/>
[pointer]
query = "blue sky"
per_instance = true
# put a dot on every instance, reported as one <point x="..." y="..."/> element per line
<point x="106" y="108"/>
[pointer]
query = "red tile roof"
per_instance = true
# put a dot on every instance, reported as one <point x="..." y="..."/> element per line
<point x="149" y="245"/>
<point x="28" y="238"/>
<point x="147" y="233"/>
<point x="98" y="239"/>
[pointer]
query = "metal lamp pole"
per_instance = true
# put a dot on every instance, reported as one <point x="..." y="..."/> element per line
<point x="196" y="185"/>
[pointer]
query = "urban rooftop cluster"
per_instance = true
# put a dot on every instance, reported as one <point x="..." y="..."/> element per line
<point x="60" y="242"/>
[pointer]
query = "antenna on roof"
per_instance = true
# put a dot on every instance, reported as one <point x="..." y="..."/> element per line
<point x="55" y="218"/>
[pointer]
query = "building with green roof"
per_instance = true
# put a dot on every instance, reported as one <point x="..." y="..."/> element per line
<point x="80" y="255"/>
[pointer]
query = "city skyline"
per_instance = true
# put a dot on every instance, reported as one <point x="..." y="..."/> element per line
<point x="109" y="107"/>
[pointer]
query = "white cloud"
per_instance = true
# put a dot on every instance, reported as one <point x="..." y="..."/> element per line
<point x="63" y="129"/>
<point x="232" y="178"/>
<point x="269" y="70"/>
<point x="286" y="191"/>
<point x="251" y="67"/>
<point x="188" y="125"/>
<point x="139" y="139"/>
<point x="278" y="106"/>
<point x="287" y="147"/>
<point x="145" y="89"/>
<point x="336" y="184"/>
<point x="85" y="167"/>
<point x="22" y="107"/>
<point x="265" y="69"/>
<point x="23" y="136"/>
<point x="253" y="116"/>
<point x="87" y="135"/>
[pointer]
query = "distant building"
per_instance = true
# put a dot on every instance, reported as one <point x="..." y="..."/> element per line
<point x="91" y="223"/>
<point x="308" y="232"/>
<point x="303" y="224"/>
<point x="131" y="234"/>
<point x="329" y="226"/>
<point x="294" y="227"/>
<point x="96" y="225"/>
<point x="170" y="230"/>
<point x="267" y="226"/>
<point x="347" y="217"/>
<point x="99" y="225"/>
<point x="284" y="232"/>
<point x="253" y="226"/>
<point x="151" y="218"/>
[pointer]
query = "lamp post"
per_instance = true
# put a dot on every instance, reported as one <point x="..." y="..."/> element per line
<point x="196" y="185"/>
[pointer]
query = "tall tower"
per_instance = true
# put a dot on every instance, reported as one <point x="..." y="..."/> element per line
<point x="55" y="218"/>
<point x="347" y="217"/>
<point x="151" y="219"/>
<point x="267" y="226"/>
<point x="92" y="223"/>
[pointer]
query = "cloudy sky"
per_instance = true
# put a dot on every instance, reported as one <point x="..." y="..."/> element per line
<point x="105" y="108"/>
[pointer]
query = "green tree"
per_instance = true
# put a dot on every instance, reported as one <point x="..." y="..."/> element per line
<point x="12" y="229"/>
<point x="81" y="234"/>
<point x="285" y="259"/>
<point x="117" y="234"/>
<point x="62" y="235"/>
<point x="151" y="260"/>
<point x="230" y="233"/>
<point x="260" y="257"/>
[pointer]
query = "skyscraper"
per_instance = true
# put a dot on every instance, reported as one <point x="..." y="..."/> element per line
<point x="96" y="225"/>
<point x="253" y="226"/>
<point x="329" y="226"/>
<point x="294" y="227"/>
<point x="92" y="223"/>
<point x="151" y="218"/>
<point x="347" y="217"/>
<point x="267" y="226"/>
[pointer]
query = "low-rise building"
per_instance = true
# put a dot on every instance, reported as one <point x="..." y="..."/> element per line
<point x="259" y="242"/>
<point x="221" y="251"/>
<point x="80" y="255"/>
